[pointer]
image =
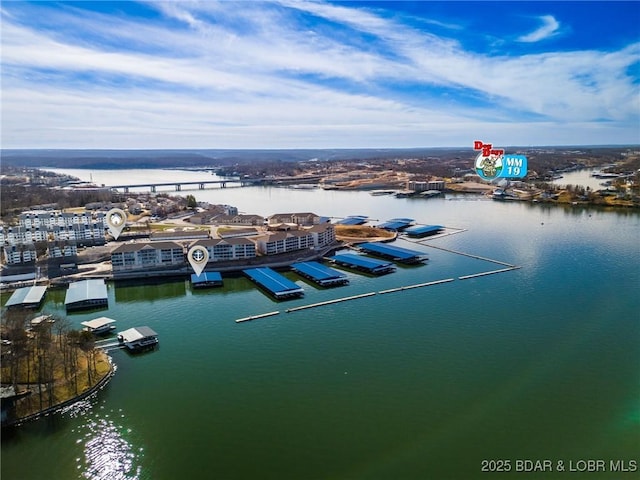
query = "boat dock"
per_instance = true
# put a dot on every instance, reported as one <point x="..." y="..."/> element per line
<point x="362" y="263"/>
<point x="206" y="279"/>
<point x="423" y="230"/>
<point x="397" y="254"/>
<point x="395" y="224"/>
<point x="276" y="284"/>
<point x="320" y="274"/>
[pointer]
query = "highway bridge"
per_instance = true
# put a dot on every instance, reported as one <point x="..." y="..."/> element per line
<point x="201" y="185"/>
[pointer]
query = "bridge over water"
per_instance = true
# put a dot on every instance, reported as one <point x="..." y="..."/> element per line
<point x="179" y="185"/>
<point x="201" y="185"/>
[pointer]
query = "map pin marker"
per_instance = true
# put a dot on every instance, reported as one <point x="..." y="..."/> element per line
<point x="116" y="220"/>
<point x="198" y="257"/>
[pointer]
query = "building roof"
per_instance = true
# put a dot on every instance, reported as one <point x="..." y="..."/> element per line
<point x="27" y="296"/>
<point x="276" y="283"/>
<point x="317" y="271"/>
<point x="389" y="250"/>
<point x="395" y="223"/>
<point x="85" y="290"/>
<point x="98" y="322"/>
<point x="137" y="333"/>
<point x="206" y="277"/>
<point x="423" y="229"/>
<point x="353" y="220"/>
<point x="134" y="247"/>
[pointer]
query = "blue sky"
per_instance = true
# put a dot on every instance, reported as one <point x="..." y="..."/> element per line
<point x="316" y="74"/>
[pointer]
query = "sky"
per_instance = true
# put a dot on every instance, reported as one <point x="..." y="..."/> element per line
<point x="318" y="74"/>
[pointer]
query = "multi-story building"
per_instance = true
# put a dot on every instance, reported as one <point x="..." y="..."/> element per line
<point x="16" y="254"/>
<point x="224" y="249"/>
<point x="305" y="218"/>
<point x="284" y="242"/>
<point x="140" y="256"/>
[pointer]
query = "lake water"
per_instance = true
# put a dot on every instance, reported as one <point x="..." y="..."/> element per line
<point x="538" y="363"/>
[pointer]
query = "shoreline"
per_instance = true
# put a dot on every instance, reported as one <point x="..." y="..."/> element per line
<point x="102" y="383"/>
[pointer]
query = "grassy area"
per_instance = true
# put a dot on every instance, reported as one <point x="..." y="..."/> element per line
<point x="350" y="232"/>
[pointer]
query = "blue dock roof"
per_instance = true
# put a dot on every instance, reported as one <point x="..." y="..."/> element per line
<point x="353" y="220"/>
<point x="420" y="230"/>
<point x="362" y="262"/>
<point x="395" y="223"/>
<point x="277" y="284"/>
<point x="206" y="277"/>
<point x="402" y="254"/>
<point x="319" y="273"/>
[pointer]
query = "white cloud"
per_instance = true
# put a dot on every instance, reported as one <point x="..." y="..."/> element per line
<point x="549" y="28"/>
<point x="259" y="77"/>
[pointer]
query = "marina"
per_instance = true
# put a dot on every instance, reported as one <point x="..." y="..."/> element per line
<point x="391" y="252"/>
<point x="320" y="274"/>
<point x="276" y="284"/>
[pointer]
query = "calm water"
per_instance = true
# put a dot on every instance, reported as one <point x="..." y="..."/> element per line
<point x="537" y="363"/>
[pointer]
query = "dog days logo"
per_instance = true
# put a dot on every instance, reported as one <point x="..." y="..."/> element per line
<point x="493" y="163"/>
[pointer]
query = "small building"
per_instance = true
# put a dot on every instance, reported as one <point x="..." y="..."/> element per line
<point x="86" y="294"/>
<point x="27" y="297"/>
<point x="138" y="338"/>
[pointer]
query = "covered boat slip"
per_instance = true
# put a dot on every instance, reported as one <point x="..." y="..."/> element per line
<point x="206" y="279"/>
<point x="320" y="274"/>
<point x="138" y="338"/>
<point x="395" y="224"/>
<point x="86" y="294"/>
<point x="391" y="252"/>
<point x="99" y="326"/>
<point x="27" y="297"/>
<point x="423" y="230"/>
<point x="362" y="263"/>
<point x="276" y="284"/>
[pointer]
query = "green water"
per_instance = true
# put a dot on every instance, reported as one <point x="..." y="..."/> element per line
<point x="542" y="362"/>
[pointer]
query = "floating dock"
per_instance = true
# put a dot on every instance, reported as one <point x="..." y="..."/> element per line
<point x="362" y="263"/>
<point x="255" y="317"/>
<point x="329" y="302"/>
<point x="86" y="294"/>
<point x="320" y="274"/>
<point x="278" y="285"/>
<point x="206" y="279"/>
<point x="397" y="254"/>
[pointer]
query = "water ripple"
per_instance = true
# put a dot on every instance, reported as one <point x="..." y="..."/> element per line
<point x="108" y="453"/>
